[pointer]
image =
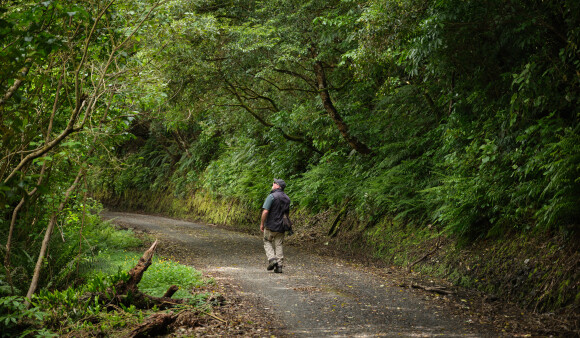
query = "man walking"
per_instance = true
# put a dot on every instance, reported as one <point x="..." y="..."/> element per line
<point x="276" y="205"/>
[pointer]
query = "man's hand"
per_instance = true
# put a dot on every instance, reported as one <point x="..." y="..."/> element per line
<point x="262" y="227"/>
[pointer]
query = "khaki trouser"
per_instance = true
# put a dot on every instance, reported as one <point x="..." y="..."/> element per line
<point x="273" y="242"/>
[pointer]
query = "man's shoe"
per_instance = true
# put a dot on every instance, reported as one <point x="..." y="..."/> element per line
<point x="278" y="269"/>
<point x="273" y="264"/>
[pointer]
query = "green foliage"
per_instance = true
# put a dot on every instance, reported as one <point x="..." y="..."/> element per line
<point x="14" y="314"/>
<point x="560" y="166"/>
<point x="469" y="107"/>
<point x="500" y="137"/>
<point x="86" y="236"/>
<point x="73" y="305"/>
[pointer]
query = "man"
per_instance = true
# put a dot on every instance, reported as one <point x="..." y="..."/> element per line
<point x="276" y="205"/>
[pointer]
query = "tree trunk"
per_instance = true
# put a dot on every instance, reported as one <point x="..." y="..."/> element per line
<point x="46" y="240"/>
<point x="331" y="110"/>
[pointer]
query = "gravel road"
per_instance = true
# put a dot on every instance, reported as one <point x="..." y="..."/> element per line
<point x="314" y="296"/>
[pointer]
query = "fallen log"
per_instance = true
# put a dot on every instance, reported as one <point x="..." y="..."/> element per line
<point x="154" y="325"/>
<point x="164" y="323"/>
<point x="127" y="292"/>
<point x="437" y="289"/>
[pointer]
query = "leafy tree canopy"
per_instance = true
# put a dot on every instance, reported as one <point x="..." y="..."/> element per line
<point x="459" y="114"/>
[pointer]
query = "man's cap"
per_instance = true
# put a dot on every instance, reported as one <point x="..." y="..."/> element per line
<point x="280" y="182"/>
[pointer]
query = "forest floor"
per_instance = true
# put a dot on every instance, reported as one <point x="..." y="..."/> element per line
<point x="321" y="293"/>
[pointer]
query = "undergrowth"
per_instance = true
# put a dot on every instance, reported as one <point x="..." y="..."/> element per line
<point x="83" y="308"/>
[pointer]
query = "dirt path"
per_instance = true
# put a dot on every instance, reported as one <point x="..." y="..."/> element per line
<point x="315" y="296"/>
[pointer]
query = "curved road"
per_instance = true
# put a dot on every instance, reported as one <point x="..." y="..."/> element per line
<point x="315" y="296"/>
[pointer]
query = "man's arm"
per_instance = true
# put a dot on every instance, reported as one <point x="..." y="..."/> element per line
<point x="266" y="207"/>
<point x="263" y="220"/>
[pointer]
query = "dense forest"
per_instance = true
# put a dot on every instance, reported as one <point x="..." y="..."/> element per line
<point x="450" y="120"/>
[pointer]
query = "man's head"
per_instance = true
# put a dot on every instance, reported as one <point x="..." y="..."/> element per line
<point x="280" y="183"/>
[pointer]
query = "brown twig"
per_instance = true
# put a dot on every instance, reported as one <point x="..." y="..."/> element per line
<point x="216" y="317"/>
<point x="437" y="246"/>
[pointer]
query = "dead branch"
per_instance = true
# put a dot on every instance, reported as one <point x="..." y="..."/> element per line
<point x="437" y="246"/>
<point x="158" y="323"/>
<point x="17" y="82"/>
<point x="171" y="291"/>
<point x="136" y="273"/>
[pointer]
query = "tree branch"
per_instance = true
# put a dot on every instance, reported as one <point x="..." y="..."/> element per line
<point x="17" y="83"/>
<point x="287" y="89"/>
<point x="232" y="89"/>
<point x="298" y="75"/>
<point x="242" y="104"/>
<point x="333" y="112"/>
<point x="50" y="145"/>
